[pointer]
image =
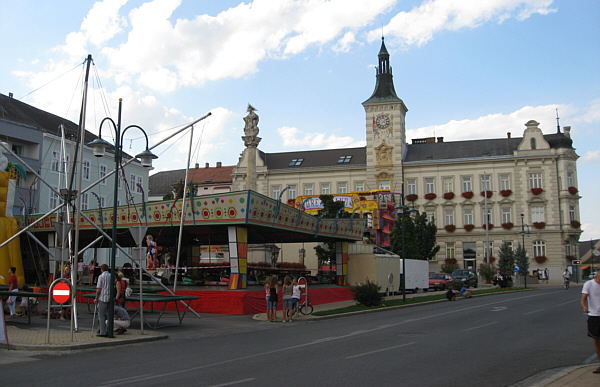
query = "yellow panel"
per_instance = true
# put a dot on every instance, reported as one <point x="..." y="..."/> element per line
<point x="242" y="234"/>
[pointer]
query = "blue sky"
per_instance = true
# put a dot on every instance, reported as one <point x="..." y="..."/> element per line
<point x="466" y="69"/>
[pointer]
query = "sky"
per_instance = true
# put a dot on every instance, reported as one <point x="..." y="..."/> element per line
<point x="466" y="69"/>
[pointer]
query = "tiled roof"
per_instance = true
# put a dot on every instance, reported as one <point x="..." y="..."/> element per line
<point x="161" y="182"/>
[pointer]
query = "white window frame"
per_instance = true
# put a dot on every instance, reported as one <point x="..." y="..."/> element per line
<point x="325" y="189"/>
<point x="448" y="185"/>
<point x="537" y="214"/>
<point x="359" y="186"/>
<point x="450" y="250"/>
<point x="539" y="248"/>
<point x="467" y="184"/>
<point x="139" y="180"/>
<point x="292" y="193"/>
<point x="429" y="185"/>
<point x="84" y="201"/>
<point x="468" y="216"/>
<point x="384" y="184"/>
<point x="506" y="215"/>
<point x="570" y="179"/>
<point x="275" y="191"/>
<point x="86" y="166"/>
<point x="448" y="217"/>
<point x="489" y="216"/>
<point x="505" y="182"/>
<point x="308" y="189"/>
<point x="342" y="187"/>
<point x="55" y="163"/>
<point x="411" y="186"/>
<point x="536" y="180"/>
<point x="486" y="183"/>
<point x="572" y="213"/>
<point x="102" y="172"/>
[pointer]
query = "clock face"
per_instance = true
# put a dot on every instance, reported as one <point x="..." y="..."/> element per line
<point x="382" y="121"/>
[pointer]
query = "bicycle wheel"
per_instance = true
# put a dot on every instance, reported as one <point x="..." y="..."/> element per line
<point x="306" y="309"/>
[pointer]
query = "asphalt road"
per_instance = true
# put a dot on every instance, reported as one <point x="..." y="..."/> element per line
<point x="494" y="340"/>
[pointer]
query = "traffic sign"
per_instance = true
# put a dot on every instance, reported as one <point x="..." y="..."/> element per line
<point x="596" y="253"/>
<point x="517" y="268"/>
<point x="61" y="292"/>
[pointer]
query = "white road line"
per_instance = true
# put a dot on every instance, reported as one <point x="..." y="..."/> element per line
<point x="123" y="380"/>
<point x="568" y="302"/>
<point x="480" y="326"/>
<point x="379" y="350"/>
<point x="232" y="383"/>
<point x="533" y="311"/>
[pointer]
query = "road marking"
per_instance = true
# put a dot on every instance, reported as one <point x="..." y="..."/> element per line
<point x="499" y="308"/>
<point x="532" y="312"/>
<point x="379" y="350"/>
<point x="568" y="302"/>
<point x="232" y="383"/>
<point x="480" y="326"/>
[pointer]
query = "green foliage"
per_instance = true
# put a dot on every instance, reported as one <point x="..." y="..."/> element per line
<point x="522" y="260"/>
<point x="448" y="268"/>
<point x="419" y="237"/>
<point x="325" y="253"/>
<point x="367" y="294"/>
<point x="487" y="271"/>
<point x="506" y="261"/>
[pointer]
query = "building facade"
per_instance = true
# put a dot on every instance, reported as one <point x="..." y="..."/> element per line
<point x="478" y="193"/>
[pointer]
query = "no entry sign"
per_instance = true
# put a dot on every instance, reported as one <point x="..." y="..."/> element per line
<point x="61" y="292"/>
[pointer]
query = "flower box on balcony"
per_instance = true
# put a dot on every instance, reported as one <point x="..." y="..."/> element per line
<point x="430" y="196"/>
<point x="449" y="195"/>
<point x="488" y="193"/>
<point x="467" y="195"/>
<point x="537" y="191"/>
<point x="507" y="225"/>
<point x="489" y="226"/>
<point x="450" y="227"/>
<point x="412" y="197"/>
<point x="539" y="225"/>
<point x="575" y="224"/>
<point x="505" y="192"/>
<point x="573" y="190"/>
<point x="540" y="259"/>
<point x="469" y="227"/>
<point x="450" y="261"/>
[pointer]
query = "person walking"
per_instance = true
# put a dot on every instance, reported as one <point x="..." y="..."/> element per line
<point x="590" y="301"/>
<point x="102" y="299"/>
<point x="287" y="298"/>
<point x="567" y="278"/>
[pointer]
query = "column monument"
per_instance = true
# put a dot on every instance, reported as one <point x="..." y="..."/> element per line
<point x="251" y="141"/>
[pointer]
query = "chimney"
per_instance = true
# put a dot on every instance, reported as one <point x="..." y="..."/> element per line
<point x="206" y="165"/>
<point x="10" y="95"/>
<point x="197" y="165"/>
<point x="567" y="131"/>
<point x="440" y="139"/>
<point x="508" y="134"/>
<point x="218" y="164"/>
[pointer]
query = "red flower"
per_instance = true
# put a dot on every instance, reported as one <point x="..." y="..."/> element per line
<point x="575" y="224"/>
<point x="449" y="195"/>
<point x="489" y="193"/>
<point x="489" y="226"/>
<point x="507" y="225"/>
<point x="412" y="198"/>
<point x="573" y="190"/>
<point x="469" y="227"/>
<point x="467" y="195"/>
<point x="505" y="192"/>
<point x="450" y="227"/>
<point x="540" y="259"/>
<point x="539" y="225"/>
<point x="430" y="196"/>
<point x="537" y="191"/>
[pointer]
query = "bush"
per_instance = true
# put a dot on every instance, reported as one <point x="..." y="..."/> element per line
<point x="367" y="294"/>
<point x="487" y="272"/>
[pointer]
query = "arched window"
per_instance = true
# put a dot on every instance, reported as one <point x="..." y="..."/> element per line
<point x="539" y="248"/>
<point x="533" y="143"/>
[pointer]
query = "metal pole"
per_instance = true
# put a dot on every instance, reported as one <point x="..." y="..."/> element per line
<point x="487" y="223"/>
<point x="403" y="248"/>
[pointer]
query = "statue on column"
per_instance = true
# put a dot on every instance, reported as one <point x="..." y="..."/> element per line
<point x="251" y="128"/>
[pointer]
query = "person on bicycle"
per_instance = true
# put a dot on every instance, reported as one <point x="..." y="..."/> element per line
<point x="567" y="277"/>
<point x="296" y="292"/>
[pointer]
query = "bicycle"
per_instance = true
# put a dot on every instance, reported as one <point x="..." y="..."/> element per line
<point x="566" y="283"/>
<point x="304" y="307"/>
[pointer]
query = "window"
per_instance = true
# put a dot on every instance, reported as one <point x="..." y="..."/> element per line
<point x="430" y="217"/>
<point x="504" y="182"/>
<point x="308" y="189"/>
<point x="325" y="189"/>
<point x="84" y="201"/>
<point x="490" y="250"/>
<point x="54" y="199"/>
<point x="532" y="142"/>
<point x="568" y="249"/>
<point x="292" y="192"/>
<point x="510" y="244"/>
<point x="275" y="191"/>
<point x="54" y="163"/>
<point x="342" y="188"/>
<point x="450" y="250"/>
<point x="102" y="174"/>
<point x="468" y="215"/>
<point x="570" y="180"/>
<point x="18" y="149"/>
<point x="485" y="183"/>
<point x="539" y="248"/>
<point x="429" y="186"/>
<point x="411" y="185"/>
<point x="537" y="214"/>
<point x="448" y="217"/>
<point x="572" y="213"/>
<point x="102" y="201"/>
<point x="344" y="159"/>
<point x="295" y="162"/>
<point x="448" y="185"/>
<point x="85" y="170"/>
<point x="487" y="216"/>
<point x="132" y="182"/>
<point x="384" y="184"/>
<point x="535" y="180"/>
<point x="466" y="184"/>
<point x="139" y="182"/>
<point x="506" y="215"/>
<point x="359" y="186"/>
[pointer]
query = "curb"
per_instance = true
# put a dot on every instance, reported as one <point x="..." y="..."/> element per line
<point x="79" y="346"/>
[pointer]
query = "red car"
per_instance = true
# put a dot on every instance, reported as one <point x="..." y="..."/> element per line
<point x="440" y="281"/>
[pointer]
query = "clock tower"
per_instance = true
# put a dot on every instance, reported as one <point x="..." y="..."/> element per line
<point x="386" y="131"/>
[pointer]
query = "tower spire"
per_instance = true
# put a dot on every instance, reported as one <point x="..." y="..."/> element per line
<point x="384" y="87"/>
<point x="557" y="123"/>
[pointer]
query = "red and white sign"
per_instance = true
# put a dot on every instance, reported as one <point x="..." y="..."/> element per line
<point x="61" y="292"/>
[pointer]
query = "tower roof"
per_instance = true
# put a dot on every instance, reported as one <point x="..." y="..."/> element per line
<point x="384" y="88"/>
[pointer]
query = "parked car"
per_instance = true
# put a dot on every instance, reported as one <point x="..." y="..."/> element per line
<point x="440" y="281"/>
<point x="466" y="276"/>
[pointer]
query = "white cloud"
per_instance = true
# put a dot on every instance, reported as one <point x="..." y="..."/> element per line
<point x="494" y="125"/>
<point x="591" y="113"/>
<point x="419" y="25"/>
<point x="590" y="157"/>
<point x="293" y="138"/>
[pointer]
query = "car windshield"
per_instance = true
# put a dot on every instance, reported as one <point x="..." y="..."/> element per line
<point x="460" y="272"/>
<point x="436" y="276"/>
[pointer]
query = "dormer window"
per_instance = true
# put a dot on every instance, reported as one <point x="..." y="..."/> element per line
<point x="295" y="162"/>
<point x="344" y="159"/>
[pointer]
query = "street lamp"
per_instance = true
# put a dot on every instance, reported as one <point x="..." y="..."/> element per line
<point x="400" y="211"/>
<point x="523" y="232"/>
<point x="99" y="147"/>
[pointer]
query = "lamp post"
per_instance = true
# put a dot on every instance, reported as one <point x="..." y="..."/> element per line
<point x="400" y="211"/>
<point x="523" y="232"/>
<point x="99" y="146"/>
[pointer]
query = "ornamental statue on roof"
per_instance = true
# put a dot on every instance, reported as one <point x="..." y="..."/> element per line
<point x="251" y="128"/>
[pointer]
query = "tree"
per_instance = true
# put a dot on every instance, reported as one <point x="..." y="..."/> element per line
<point x="522" y="262"/>
<point x="419" y="237"/>
<point x="506" y="263"/>
<point x="326" y="251"/>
